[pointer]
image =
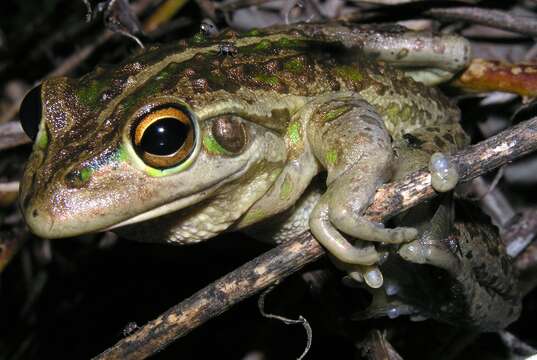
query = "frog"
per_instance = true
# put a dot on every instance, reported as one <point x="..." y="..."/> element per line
<point x="293" y="130"/>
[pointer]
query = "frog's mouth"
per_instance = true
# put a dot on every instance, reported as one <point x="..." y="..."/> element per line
<point x="181" y="203"/>
<point x="166" y="208"/>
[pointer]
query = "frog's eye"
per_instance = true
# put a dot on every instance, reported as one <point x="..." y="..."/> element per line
<point x="30" y="112"/>
<point x="230" y="133"/>
<point x="164" y="138"/>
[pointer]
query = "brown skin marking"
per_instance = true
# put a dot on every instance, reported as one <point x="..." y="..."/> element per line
<point x="190" y="72"/>
<point x="200" y="85"/>
<point x="439" y="142"/>
<point x="449" y="138"/>
<point x="273" y="66"/>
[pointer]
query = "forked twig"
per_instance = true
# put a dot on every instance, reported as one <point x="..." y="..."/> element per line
<point x="288" y="258"/>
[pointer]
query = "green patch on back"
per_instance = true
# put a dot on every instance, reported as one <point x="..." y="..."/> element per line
<point x="335" y="113"/>
<point x="293" y="132"/>
<point x="212" y="146"/>
<point x="296" y="66"/>
<point x="198" y="39"/>
<point x="287" y="43"/>
<point x="331" y="157"/>
<point x="271" y="80"/>
<point x="148" y="89"/>
<point x="349" y="73"/>
<point x="253" y="32"/>
<point x="164" y="74"/>
<point x="263" y="45"/>
<point x="90" y="94"/>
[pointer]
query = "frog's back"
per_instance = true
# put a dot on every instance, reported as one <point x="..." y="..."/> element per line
<point x="295" y="64"/>
<point x="284" y="63"/>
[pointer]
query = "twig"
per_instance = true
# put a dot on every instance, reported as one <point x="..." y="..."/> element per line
<point x="490" y="75"/>
<point x="163" y="14"/>
<point x="495" y="18"/>
<point x="519" y="236"/>
<point x="288" y="258"/>
<point x="9" y="187"/>
<point x="301" y="320"/>
<point x="11" y="135"/>
<point x="216" y="298"/>
<point x="516" y="346"/>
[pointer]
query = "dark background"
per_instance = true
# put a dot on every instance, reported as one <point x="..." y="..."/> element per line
<point x="73" y="298"/>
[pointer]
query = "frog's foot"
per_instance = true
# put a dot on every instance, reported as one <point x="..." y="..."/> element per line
<point x="332" y="217"/>
<point x="444" y="174"/>
<point x="435" y="246"/>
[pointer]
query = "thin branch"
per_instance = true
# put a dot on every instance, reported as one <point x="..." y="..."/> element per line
<point x="163" y="14"/>
<point x="11" y="135"/>
<point x="521" y="234"/>
<point x="288" y="258"/>
<point x="495" y="18"/>
<point x="9" y="187"/>
<point x="491" y="75"/>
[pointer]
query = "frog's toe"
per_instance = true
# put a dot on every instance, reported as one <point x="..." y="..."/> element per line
<point x="444" y="174"/>
<point x="335" y="243"/>
<point x="434" y="254"/>
<point x="363" y="229"/>
<point x="371" y="275"/>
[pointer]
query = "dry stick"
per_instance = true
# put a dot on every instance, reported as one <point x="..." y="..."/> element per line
<point x="12" y="134"/>
<point x="494" y="18"/>
<point x="286" y="259"/>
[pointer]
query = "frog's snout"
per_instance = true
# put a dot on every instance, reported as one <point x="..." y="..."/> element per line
<point x="59" y="209"/>
<point x="40" y="222"/>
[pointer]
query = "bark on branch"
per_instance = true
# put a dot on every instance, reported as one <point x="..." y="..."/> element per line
<point x="286" y="259"/>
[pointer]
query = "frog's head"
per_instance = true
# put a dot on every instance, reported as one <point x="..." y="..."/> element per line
<point x="124" y="146"/>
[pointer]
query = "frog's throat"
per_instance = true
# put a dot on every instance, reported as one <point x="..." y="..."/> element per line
<point x="180" y="203"/>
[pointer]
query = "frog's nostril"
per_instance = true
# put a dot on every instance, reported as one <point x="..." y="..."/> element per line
<point x="35" y="213"/>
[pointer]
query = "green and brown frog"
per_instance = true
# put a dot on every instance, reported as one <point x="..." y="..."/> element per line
<point x="291" y="130"/>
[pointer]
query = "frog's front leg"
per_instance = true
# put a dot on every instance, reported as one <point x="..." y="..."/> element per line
<point x="349" y="139"/>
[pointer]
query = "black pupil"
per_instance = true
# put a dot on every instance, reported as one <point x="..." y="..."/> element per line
<point x="164" y="137"/>
<point x="30" y="112"/>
